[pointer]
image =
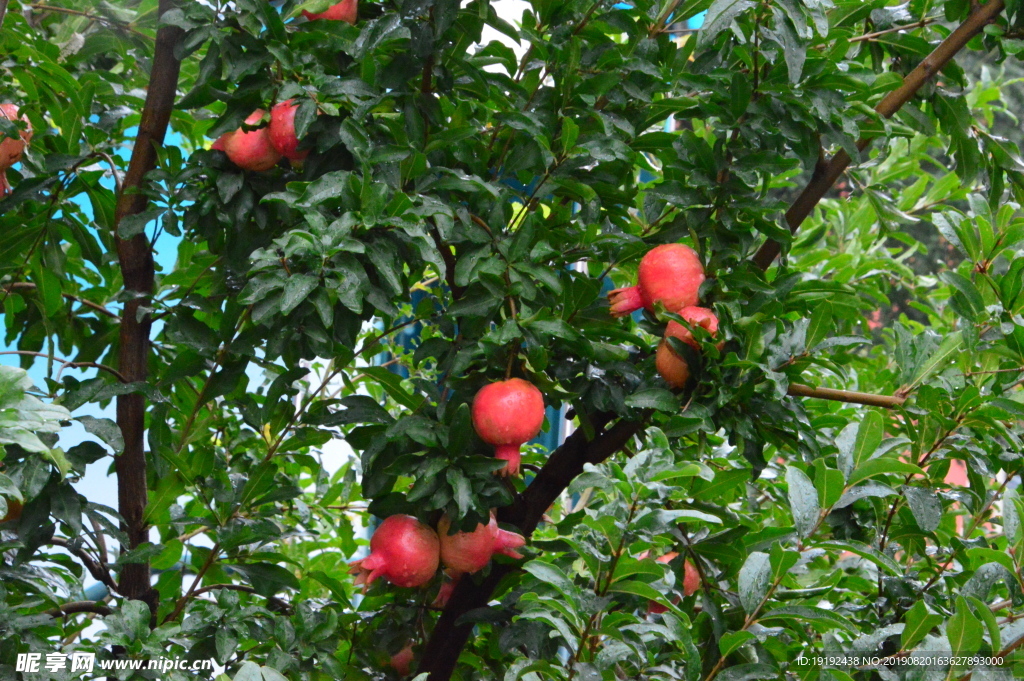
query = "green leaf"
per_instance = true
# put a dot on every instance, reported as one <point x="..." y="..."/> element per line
<point x="940" y="359"/>
<point x="732" y="640"/>
<point x="882" y="466"/>
<point x="654" y="398"/>
<point x="811" y="614"/>
<point x="104" y="429"/>
<point x="754" y="581"/>
<point x="267" y="578"/>
<point x="803" y="500"/>
<point x="864" y="551"/>
<point x="829" y="483"/>
<point x="296" y="288"/>
<point x="868" y="489"/>
<point x="821" y="324"/>
<point x="920" y="621"/>
<point x="925" y="506"/>
<point x="964" y="630"/>
<point x="869" y="436"/>
<point x="718" y="18"/>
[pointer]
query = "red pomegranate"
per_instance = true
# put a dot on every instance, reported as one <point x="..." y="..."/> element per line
<point x="691" y="582"/>
<point x="11" y="149"/>
<point x="403" y="551"/>
<point x="471" y="551"/>
<point x="252" y="150"/>
<point x="282" y="131"/>
<point x="507" y="414"/>
<point x="343" y="11"/>
<point x="671" y="274"/>
<point x="671" y="366"/>
<point x="218" y="144"/>
<point x="401" y="661"/>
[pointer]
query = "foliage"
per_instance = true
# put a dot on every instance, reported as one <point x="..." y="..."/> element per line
<point x="461" y="213"/>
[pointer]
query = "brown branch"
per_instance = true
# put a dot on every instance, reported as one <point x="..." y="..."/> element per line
<point x="92" y="17"/>
<point x="870" y="399"/>
<point x="825" y="175"/>
<point x="3" y="11"/>
<point x="136" y="261"/>
<point x="278" y="603"/>
<point x="565" y="463"/>
<point x="94" y="568"/>
<point x="67" y="363"/>
<point x="895" y="29"/>
<point x="27" y="285"/>
<point x="183" y="601"/>
<point x="94" y="607"/>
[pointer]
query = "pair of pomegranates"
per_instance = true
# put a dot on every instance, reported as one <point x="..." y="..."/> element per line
<point x="262" y="148"/>
<point x="12" y="148"/>
<point x="407" y="552"/>
<point x="670" y="274"/>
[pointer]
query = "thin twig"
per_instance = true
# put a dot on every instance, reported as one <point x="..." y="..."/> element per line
<point x="92" y="17"/>
<point x="27" y="285"/>
<point x="895" y="29"/>
<point x="68" y="363"/>
<point x="869" y="399"/>
<point x="91" y="565"/>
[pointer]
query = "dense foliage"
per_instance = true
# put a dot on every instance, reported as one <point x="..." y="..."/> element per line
<point x="462" y="212"/>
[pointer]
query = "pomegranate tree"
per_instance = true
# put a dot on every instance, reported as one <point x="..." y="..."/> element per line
<point x="403" y="551"/>
<point x="252" y="149"/>
<point x="472" y="551"/>
<point x="673" y="368"/>
<point x="508" y="414"/>
<point x="11" y="148"/>
<point x="343" y="11"/>
<point x="670" y="274"/>
<point x="282" y="131"/>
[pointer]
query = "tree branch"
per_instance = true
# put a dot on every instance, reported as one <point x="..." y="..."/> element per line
<point x="870" y="399"/>
<point x="136" y="261"/>
<point x="92" y="17"/>
<point x="3" y="11"/>
<point x="94" y="607"/>
<point x="98" y="573"/>
<point x="27" y="285"/>
<point x="825" y="176"/>
<point x="67" y="363"/>
<point x="277" y="603"/>
<point x="565" y="463"/>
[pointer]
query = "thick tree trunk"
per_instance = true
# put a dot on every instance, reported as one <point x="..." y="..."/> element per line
<point x="135" y="256"/>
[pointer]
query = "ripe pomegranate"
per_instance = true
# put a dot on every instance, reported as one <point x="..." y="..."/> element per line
<point x="252" y="150"/>
<point x="507" y="414"/>
<point x="691" y="582"/>
<point x="343" y="11"/>
<point x="403" y="551"/>
<point x="471" y="551"/>
<point x="282" y="131"/>
<point x="401" y="661"/>
<point x="671" y="366"/>
<point x="220" y="142"/>
<point x="11" y="149"/>
<point x="671" y="274"/>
